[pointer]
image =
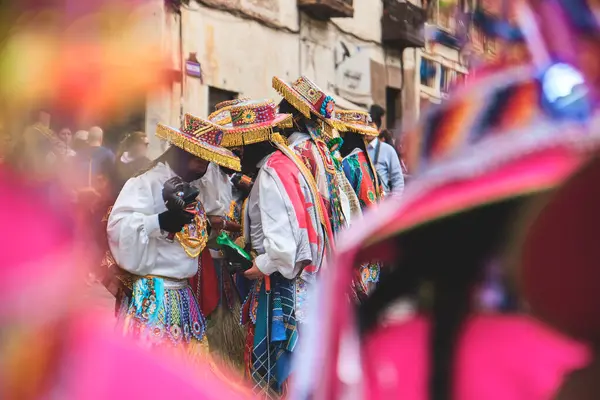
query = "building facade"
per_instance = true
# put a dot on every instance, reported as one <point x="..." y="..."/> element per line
<point x="362" y="52"/>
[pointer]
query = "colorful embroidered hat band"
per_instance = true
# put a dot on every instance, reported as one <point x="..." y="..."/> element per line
<point x="221" y="114"/>
<point x="202" y="139"/>
<point x="254" y="122"/>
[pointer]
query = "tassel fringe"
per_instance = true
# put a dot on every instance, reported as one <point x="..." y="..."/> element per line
<point x="359" y="130"/>
<point x="294" y="99"/>
<point x="234" y="137"/>
<point x="178" y="139"/>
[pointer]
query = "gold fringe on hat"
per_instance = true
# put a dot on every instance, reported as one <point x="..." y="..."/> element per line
<point x="330" y="126"/>
<point x="292" y="97"/>
<point x="358" y="129"/>
<point x="179" y="139"/>
<point x="237" y="139"/>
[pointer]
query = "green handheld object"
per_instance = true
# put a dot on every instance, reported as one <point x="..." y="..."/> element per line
<point x="238" y="259"/>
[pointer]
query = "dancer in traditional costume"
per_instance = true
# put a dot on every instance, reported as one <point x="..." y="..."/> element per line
<point x="288" y="232"/>
<point x="311" y="137"/>
<point x="215" y="196"/>
<point x="473" y="179"/>
<point x="358" y="129"/>
<point x="156" y="231"/>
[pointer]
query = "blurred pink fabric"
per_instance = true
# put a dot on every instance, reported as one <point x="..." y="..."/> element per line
<point x="81" y="357"/>
<point x="498" y="357"/>
<point x="100" y="365"/>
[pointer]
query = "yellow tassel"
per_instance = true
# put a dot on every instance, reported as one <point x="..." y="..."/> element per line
<point x="250" y="136"/>
<point x="277" y="138"/>
<point x="257" y="136"/>
<point x="286" y="123"/>
<point x="177" y="138"/>
<point x="292" y="97"/>
<point x="361" y="131"/>
<point x="340" y="126"/>
<point x="231" y="139"/>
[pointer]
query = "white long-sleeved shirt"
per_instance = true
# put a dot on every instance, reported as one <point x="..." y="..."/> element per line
<point x="272" y="229"/>
<point x="135" y="238"/>
<point x="215" y="191"/>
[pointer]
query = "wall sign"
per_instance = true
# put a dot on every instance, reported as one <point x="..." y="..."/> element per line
<point x="193" y="67"/>
<point x="353" y="77"/>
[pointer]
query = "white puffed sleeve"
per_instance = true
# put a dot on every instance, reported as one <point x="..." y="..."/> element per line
<point x="215" y="191"/>
<point x="279" y="243"/>
<point x="133" y="229"/>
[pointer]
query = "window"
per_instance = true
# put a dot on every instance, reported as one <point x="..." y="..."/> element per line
<point x="449" y="78"/>
<point x="490" y="46"/>
<point x="216" y="95"/>
<point x="477" y="39"/>
<point x="428" y="72"/>
<point x="393" y="107"/>
<point x="446" y="19"/>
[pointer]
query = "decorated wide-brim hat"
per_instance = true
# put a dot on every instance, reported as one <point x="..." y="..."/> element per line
<point x="306" y="97"/>
<point x="221" y="115"/>
<point x="253" y="122"/>
<point x="202" y="139"/>
<point x="475" y="150"/>
<point x="357" y="121"/>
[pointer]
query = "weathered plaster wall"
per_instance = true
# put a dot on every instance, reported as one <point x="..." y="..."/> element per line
<point x="241" y="44"/>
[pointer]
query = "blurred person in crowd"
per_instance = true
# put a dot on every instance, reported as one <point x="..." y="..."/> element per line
<point x="377" y="113"/>
<point x="80" y="140"/>
<point x="387" y="162"/>
<point x="34" y="150"/>
<point x="476" y="192"/>
<point x="385" y="136"/>
<point x="66" y="136"/>
<point x="131" y="157"/>
<point x="157" y="230"/>
<point x="98" y="154"/>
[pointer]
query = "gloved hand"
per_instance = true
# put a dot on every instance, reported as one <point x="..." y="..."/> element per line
<point x="173" y="221"/>
<point x="173" y="192"/>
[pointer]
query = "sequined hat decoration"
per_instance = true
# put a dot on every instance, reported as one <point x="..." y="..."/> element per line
<point x="221" y="114"/>
<point x="195" y="126"/>
<point x="306" y="97"/>
<point x="357" y="121"/>
<point x="202" y="139"/>
<point x="253" y="122"/>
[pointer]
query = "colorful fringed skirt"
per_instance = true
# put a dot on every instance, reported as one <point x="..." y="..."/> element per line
<point x="161" y="312"/>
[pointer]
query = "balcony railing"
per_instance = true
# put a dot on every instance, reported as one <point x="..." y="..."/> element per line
<point x="403" y="24"/>
<point x="327" y="9"/>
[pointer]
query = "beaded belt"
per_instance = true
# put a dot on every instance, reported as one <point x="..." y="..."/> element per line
<point x="170" y="283"/>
